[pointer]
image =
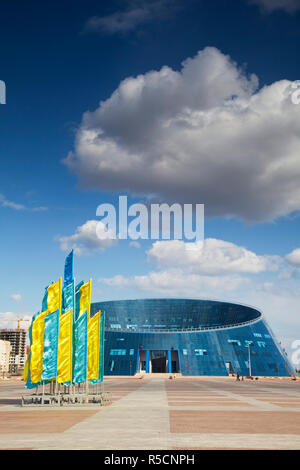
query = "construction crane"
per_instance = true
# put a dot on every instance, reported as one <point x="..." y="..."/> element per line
<point x="18" y="320"/>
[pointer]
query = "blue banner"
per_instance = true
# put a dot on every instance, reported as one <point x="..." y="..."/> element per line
<point x="68" y="298"/>
<point x="50" y="346"/>
<point x="80" y="348"/>
<point x="68" y="274"/>
<point x="44" y="302"/>
<point x="29" y="384"/>
<point x="77" y="299"/>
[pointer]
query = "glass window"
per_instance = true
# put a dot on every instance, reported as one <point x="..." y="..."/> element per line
<point x="115" y="325"/>
<point x="201" y="352"/>
<point x="118" y="352"/>
<point x="131" y="352"/>
<point x="184" y="352"/>
<point x="235" y="342"/>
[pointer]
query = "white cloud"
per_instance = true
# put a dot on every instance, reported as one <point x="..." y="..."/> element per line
<point x="90" y="236"/>
<point x="135" y="244"/>
<point x="210" y="268"/>
<point x="218" y="270"/>
<point x="289" y="6"/>
<point x="202" y="135"/>
<point x="177" y="282"/>
<point x="280" y="307"/>
<point x="12" y="205"/>
<point x="211" y="257"/>
<point x="19" y="207"/>
<point x="136" y="13"/>
<point x="294" y="257"/>
<point x="16" y="297"/>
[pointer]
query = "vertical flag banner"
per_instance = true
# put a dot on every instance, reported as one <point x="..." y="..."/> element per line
<point x="101" y="347"/>
<point x="66" y="343"/>
<point x="100" y="360"/>
<point x="93" y="346"/>
<point x="48" y="340"/>
<point x="44" y="302"/>
<point x="85" y="298"/>
<point x="80" y="348"/>
<point x="68" y="298"/>
<point x="25" y="371"/>
<point x="51" y="330"/>
<point x="37" y="347"/>
<point x="27" y="374"/>
<point x="68" y="272"/>
<point x="54" y="296"/>
<point x="77" y="299"/>
<point x="65" y="339"/>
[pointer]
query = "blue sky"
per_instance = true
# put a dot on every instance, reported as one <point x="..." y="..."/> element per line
<point x="190" y="101"/>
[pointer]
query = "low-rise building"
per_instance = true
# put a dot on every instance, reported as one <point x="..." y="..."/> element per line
<point x="4" y="357"/>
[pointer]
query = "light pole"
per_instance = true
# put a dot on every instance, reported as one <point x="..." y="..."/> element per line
<point x="249" y="356"/>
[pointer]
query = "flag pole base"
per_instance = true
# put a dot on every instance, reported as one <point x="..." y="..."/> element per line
<point x="72" y="395"/>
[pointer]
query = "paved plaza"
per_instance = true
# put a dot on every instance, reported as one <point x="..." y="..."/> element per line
<point x="157" y="413"/>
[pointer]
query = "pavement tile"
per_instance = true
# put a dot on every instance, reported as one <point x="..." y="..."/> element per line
<point x="265" y="422"/>
<point x="37" y="421"/>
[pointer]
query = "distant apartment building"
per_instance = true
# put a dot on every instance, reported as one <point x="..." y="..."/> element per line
<point x="17" y="340"/>
<point x="4" y="357"/>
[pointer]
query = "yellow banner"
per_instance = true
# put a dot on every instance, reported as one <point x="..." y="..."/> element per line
<point x="64" y="362"/>
<point x="54" y="296"/>
<point x="37" y="347"/>
<point x="25" y="372"/>
<point x="85" y="298"/>
<point x="93" y="347"/>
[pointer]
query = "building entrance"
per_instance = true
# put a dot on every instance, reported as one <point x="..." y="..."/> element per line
<point x="157" y="361"/>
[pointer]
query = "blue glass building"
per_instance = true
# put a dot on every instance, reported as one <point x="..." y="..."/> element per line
<point x="191" y="337"/>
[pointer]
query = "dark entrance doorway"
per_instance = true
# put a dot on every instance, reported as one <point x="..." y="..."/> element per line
<point x="159" y="361"/>
<point x="229" y="368"/>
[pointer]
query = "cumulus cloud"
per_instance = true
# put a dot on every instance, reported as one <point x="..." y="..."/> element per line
<point x="294" y="257"/>
<point x="210" y="268"/>
<point x="16" y="297"/>
<point x="176" y="282"/>
<point x="289" y="6"/>
<point x="210" y="256"/>
<point x="280" y="307"/>
<point x="136" y="13"/>
<point x="18" y="207"/>
<point x="203" y="134"/>
<point x="222" y="270"/>
<point x="135" y="244"/>
<point x="90" y="236"/>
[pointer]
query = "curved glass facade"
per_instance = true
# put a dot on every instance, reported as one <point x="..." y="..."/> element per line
<point x="193" y="337"/>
